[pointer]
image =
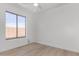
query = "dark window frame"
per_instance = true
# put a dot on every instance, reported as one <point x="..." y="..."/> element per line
<point x="17" y="25"/>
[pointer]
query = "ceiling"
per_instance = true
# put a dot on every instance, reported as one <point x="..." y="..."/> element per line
<point x="40" y="7"/>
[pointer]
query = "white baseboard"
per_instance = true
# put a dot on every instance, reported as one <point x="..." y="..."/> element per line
<point x="57" y="46"/>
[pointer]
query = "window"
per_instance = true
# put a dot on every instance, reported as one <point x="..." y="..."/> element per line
<point x="21" y="26"/>
<point x="15" y="25"/>
<point x="10" y="25"/>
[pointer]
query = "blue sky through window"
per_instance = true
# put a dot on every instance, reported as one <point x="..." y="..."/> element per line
<point x="11" y="20"/>
<point x="21" y="21"/>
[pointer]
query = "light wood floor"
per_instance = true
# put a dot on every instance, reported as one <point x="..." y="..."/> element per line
<point x="36" y="49"/>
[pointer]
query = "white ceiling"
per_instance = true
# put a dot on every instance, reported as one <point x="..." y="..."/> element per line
<point x="41" y="7"/>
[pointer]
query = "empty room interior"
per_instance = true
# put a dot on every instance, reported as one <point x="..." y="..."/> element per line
<point x="39" y="29"/>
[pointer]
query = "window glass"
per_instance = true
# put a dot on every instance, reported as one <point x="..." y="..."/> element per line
<point x="21" y="26"/>
<point x="10" y="25"/>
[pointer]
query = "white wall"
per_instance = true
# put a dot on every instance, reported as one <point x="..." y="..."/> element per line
<point x="59" y="27"/>
<point x="9" y="44"/>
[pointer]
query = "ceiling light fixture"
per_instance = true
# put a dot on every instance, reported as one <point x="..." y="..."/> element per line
<point x="36" y="4"/>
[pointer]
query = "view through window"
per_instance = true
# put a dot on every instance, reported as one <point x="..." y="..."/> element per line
<point x="15" y="25"/>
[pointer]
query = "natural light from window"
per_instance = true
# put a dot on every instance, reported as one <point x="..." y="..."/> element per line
<point x="15" y="25"/>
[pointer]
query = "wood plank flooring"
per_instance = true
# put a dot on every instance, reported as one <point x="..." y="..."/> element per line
<point x="36" y="49"/>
